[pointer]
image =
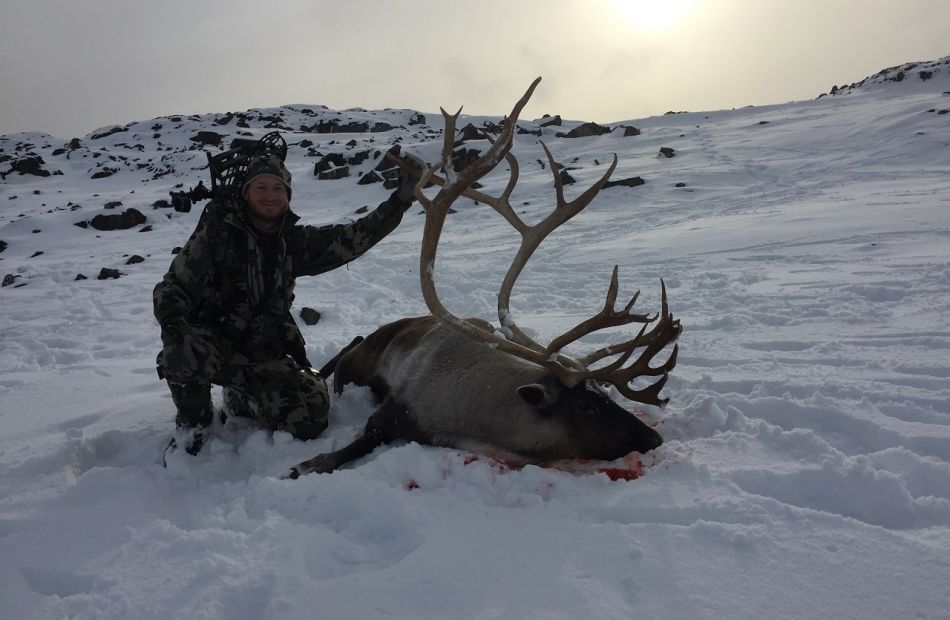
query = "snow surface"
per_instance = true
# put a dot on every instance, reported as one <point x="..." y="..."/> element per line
<point x="806" y="469"/>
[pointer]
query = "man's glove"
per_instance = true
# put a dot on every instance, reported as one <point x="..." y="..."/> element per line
<point x="184" y="354"/>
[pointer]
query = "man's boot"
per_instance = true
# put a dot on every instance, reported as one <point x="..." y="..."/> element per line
<point x="193" y="401"/>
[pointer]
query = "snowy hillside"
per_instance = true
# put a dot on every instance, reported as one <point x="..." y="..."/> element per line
<point x="911" y="76"/>
<point x="806" y="469"/>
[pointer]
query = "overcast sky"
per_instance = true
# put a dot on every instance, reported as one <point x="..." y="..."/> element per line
<point x="68" y="68"/>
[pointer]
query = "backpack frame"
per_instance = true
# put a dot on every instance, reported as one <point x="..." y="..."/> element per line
<point x="228" y="170"/>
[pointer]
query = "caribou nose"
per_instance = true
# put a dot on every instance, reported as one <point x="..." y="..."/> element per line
<point x="652" y="440"/>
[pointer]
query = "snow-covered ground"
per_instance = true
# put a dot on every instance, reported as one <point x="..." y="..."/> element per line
<point x="806" y="469"/>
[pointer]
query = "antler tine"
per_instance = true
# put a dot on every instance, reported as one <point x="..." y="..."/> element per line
<point x="454" y="185"/>
<point x="566" y="210"/>
<point x="666" y="331"/>
<point x="492" y="157"/>
<point x="607" y="317"/>
<point x="531" y="238"/>
<point x="500" y="203"/>
<point x="649" y="395"/>
<point x="640" y="339"/>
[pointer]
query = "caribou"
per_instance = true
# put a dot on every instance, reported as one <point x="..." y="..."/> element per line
<point x="462" y="383"/>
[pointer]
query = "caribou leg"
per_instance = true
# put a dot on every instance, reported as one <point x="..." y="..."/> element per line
<point x="389" y="422"/>
<point x="330" y="366"/>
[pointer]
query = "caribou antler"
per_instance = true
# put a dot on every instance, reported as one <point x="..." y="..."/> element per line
<point x="514" y="341"/>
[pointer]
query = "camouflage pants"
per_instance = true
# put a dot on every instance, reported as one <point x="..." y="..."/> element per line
<point x="280" y="394"/>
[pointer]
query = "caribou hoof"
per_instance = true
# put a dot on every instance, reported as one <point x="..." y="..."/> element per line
<point x="320" y="464"/>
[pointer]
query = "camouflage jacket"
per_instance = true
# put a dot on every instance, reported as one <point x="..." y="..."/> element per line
<point x="217" y="282"/>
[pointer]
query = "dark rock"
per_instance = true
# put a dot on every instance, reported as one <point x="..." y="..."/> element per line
<point x="161" y="204"/>
<point x="666" y="151"/>
<point x="105" y="171"/>
<point x="370" y="177"/>
<point x="630" y="182"/>
<point x="328" y="162"/>
<point x="129" y="218"/>
<point x="146" y="228"/>
<point x="680" y="185"/>
<point x="309" y="316"/>
<point x="334" y="126"/>
<point x="363" y="209"/>
<point x="566" y="179"/>
<point x="9" y="279"/>
<point x="357" y="158"/>
<point x="112" y="204"/>
<point x="386" y="163"/>
<point x="37" y="253"/>
<point x="334" y="174"/>
<point x="209" y="138"/>
<point x="462" y="158"/>
<point x="552" y="121"/>
<point x="108" y="274"/>
<point x="134" y="260"/>
<point x="469" y="132"/>
<point x="585" y="130"/>
<point x="629" y="131"/>
<point x="108" y="132"/>
<point x="3" y="246"/>
<point x="30" y="164"/>
<point x="80" y="276"/>
<point x="417" y="119"/>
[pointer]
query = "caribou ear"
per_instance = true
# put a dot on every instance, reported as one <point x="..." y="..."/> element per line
<point x="536" y="395"/>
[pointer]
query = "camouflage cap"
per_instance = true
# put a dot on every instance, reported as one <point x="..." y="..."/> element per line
<point x="270" y="165"/>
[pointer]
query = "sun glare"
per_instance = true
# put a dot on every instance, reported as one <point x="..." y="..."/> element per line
<point x="653" y="15"/>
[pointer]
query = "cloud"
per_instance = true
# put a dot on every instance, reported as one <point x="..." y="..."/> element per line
<point x="69" y="67"/>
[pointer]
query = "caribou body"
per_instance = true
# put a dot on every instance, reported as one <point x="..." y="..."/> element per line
<point x="446" y="381"/>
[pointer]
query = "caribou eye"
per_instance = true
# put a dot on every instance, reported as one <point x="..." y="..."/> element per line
<point x="533" y="394"/>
